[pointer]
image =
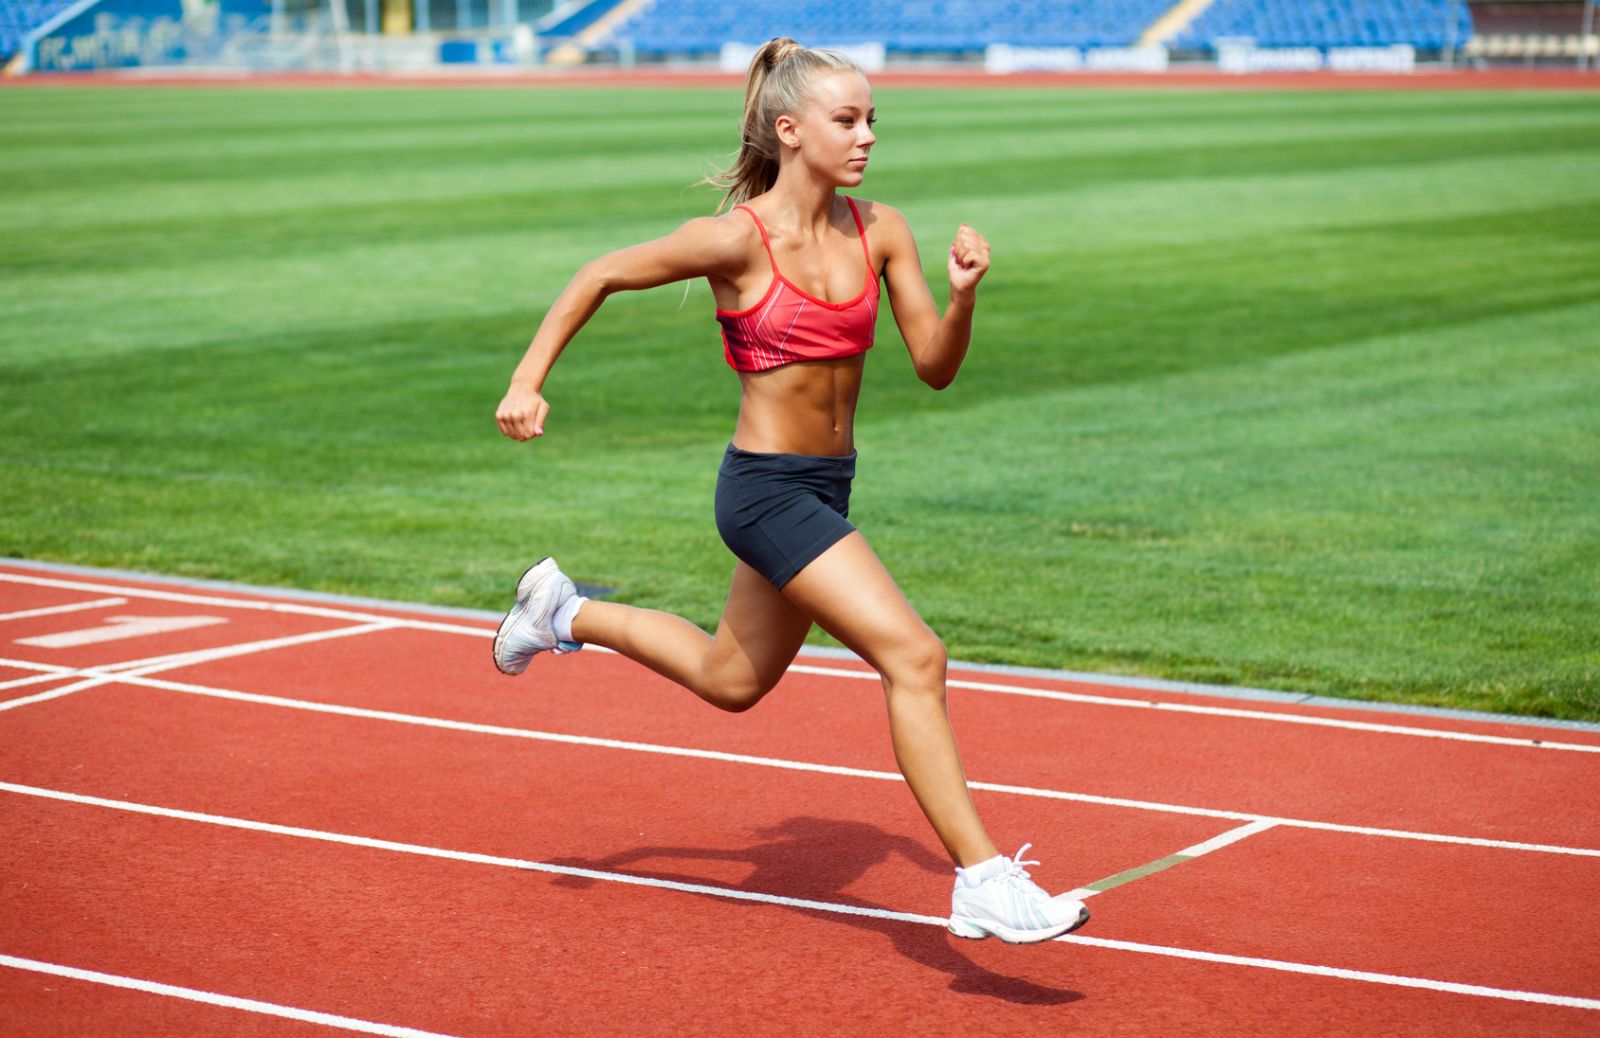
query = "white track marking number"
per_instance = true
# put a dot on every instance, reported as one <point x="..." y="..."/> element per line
<point x="117" y="628"/>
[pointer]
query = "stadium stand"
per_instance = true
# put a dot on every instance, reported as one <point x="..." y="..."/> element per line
<point x="20" y="17"/>
<point x="697" y="27"/>
<point x="1429" y="25"/>
<point x="1531" y="32"/>
<point x="566" y="22"/>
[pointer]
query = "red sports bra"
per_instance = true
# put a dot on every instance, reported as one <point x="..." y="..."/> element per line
<point x="788" y="324"/>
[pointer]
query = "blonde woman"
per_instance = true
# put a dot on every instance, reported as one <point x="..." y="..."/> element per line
<point x="795" y="269"/>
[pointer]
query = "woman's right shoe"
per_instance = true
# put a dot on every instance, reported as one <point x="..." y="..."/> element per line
<point x="529" y="628"/>
<point x="998" y="898"/>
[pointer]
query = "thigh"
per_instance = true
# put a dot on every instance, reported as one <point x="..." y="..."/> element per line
<point x="760" y="631"/>
<point x="850" y="594"/>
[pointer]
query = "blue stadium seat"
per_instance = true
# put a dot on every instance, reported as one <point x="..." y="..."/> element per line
<point x="1425" y="24"/>
<point x="907" y="26"/>
<point x="579" y="20"/>
<point x="20" y="17"/>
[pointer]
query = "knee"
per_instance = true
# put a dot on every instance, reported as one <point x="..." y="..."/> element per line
<point x="735" y="695"/>
<point x="736" y="703"/>
<point x="918" y="666"/>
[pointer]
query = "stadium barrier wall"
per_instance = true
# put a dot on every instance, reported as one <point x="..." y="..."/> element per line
<point x="1002" y="58"/>
<point x="872" y="57"/>
<point x="1241" y="55"/>
<point x="517" y="46"/>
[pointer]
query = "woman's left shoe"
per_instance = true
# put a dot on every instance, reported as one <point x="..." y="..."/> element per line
<point x="998" y="898"/>
<point x="529" y="628"/>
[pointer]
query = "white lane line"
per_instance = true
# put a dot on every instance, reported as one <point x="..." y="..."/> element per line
<point x="57" y="693"/>
<point x="1476" y="990"/>
<point x="1150" y="868"/>
<point x="120" y="628"/>
<point x="253" y="606"/>
<point x="823" y="769"/>
<point x="249" y="1005"/>
<point x="798" y="668"/>
<point x="98" y="603"/>
<point x="1219" y="711"/>
<point x="1335" y="972"/>
<point x="172" y="660"/>
<point x="1232" y="836"/>
<point x="47" y="672"/>
<point x="97" y="676"/>
<point x="421" y="850"/>
<point x="32" y="679"/>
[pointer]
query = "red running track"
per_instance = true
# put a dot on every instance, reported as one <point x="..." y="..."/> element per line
<point x="342" y="810"/>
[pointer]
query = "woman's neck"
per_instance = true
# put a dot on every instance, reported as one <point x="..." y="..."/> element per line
<point x="806" y="203"/>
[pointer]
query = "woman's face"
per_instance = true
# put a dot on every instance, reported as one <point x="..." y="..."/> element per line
<point x="834" y="132"/>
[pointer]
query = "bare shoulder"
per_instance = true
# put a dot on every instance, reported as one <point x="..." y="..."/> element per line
<point x="726" y="234"/>
<point x="881" y="214"/>
<point x="724" y="242"/>
<point x="885" y="223"/>
<point x="887" y="229"/>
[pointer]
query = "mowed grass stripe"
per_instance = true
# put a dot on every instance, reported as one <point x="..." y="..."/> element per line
<point x="1284" y="389"/>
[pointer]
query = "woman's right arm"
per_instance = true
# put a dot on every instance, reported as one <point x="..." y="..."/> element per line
<point x="704" y="247"/>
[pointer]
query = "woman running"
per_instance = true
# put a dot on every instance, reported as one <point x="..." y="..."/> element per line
<point x="795" y="269"/>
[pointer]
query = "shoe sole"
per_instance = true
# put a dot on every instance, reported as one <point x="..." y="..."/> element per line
<point x="973" y="930"/>
<point x="515" y="614"/>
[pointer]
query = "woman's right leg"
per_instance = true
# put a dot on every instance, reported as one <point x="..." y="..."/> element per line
<point x="756" y="640"/>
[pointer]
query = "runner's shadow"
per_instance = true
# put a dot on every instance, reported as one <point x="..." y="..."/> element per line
<point x="816" y="859"/>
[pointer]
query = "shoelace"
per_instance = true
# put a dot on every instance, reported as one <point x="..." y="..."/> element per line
<point x="1017" y="874"/>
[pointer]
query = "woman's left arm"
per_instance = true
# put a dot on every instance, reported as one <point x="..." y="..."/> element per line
<point x="937" y="344"/>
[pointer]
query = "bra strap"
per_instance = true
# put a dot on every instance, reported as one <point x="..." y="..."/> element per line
<point x="766" y="243"/>
<point x="863" y="229"/>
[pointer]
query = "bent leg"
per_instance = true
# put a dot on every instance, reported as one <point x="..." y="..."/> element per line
<point x="850" y="595"/>
<point x="757" y="638"/>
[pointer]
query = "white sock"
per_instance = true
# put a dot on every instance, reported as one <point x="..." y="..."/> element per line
<point x="565" y="614"/>
<point x="974" y="875"/>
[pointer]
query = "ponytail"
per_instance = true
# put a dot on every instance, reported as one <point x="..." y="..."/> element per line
<point x="779" y="83"/>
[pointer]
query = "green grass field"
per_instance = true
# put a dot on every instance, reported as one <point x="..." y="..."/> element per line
<point x="1295" y="390"/>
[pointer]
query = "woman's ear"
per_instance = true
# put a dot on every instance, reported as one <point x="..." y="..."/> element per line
<point x="788" y="131"/>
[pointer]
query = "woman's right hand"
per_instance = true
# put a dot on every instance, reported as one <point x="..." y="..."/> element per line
<point x="521" y="414"/>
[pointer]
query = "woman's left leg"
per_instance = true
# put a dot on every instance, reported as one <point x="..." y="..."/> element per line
<point x="847" y="591"/>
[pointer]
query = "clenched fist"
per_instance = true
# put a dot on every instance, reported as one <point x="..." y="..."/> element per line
<point x="969" y="260"/>
<point x="521" y="414"/>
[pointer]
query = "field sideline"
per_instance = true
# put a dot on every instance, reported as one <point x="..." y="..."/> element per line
<point x="1284" y="389"/>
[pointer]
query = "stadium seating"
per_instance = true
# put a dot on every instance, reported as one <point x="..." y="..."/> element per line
<point x="1425" y="24"/>
<point x="20" y="17"/>
<point x="562" y="26"/>
<point x="700" y="27"/>
<point x="692" y="27"/>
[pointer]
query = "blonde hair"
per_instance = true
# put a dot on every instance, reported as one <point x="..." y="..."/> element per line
<point x="778" y="83"/>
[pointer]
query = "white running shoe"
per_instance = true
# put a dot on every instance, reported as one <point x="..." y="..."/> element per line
<point x="1009" y="905"/>
<point x="529" y="628"/>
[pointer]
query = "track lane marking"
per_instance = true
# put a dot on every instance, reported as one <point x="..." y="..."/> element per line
<point x="47" y="672"/>
<point x="730" y="893"/>
<point x="1218" y="711"/>
<point x="1232" y="836"/>
<point x="244" y="603"/>
<point x="798" y="668"/>
<point x="32" y="679"/>
<point x="98" y="603"/>
<point x="98" y="676"/>
<point x="1150" y="868"/>
<point x="1393" y="980"/>
<point x="171" y="660"/>
<point x="250" y="1005"/>
<point x="120" y="628"/>
<point x="503" y="731"/>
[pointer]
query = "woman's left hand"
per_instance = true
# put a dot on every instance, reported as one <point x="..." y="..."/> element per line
<point x="969" y="261"/>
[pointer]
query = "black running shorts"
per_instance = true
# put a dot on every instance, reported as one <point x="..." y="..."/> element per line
<point x="778" y="512"/>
